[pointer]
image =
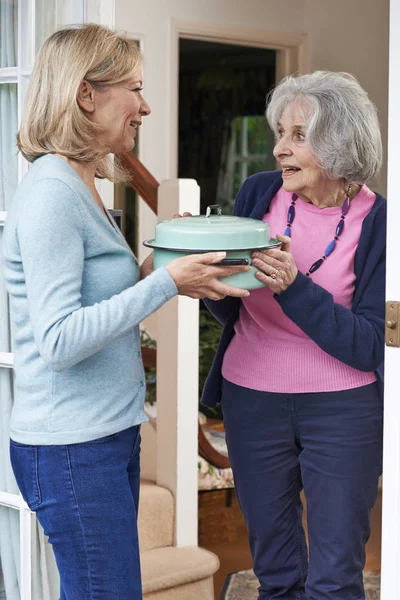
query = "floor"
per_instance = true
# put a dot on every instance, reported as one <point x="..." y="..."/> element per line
<point x="235" y="556"/>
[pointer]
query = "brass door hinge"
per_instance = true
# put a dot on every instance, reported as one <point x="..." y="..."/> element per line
<point x="392" y="324"/>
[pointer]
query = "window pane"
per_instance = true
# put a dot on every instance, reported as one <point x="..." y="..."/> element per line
<point x="7" y="482"/>
<point x="257" y="131"/>
<point x="9" y="554"/>
<point x="8" y="33"/>
<point x="8" y="146"/>
<point x="45" y="21"/>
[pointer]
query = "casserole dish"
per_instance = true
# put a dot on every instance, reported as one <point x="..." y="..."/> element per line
<point x="238" y="236"/>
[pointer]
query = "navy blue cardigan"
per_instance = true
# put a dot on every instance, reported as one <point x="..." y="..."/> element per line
<point x="356" y="336"/>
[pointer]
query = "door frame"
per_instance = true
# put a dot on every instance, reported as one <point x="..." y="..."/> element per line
<point x="291" y="48"/>
<point x="390" y="575"/>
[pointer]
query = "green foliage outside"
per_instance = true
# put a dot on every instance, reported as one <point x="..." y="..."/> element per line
<point x="259" y="142"/>
<point x="209" y="336"/>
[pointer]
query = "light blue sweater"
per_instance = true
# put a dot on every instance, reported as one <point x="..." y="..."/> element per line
<point x="76" y="302"/>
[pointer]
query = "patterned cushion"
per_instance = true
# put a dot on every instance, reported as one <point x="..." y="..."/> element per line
<point x="210" y="477"/>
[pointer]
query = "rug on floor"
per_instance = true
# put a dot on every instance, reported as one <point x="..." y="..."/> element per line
<point x="243" y="585"/>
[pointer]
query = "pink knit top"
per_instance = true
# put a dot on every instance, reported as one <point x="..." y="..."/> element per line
<point x="268" y="351"/>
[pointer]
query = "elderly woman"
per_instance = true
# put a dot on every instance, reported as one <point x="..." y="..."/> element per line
<point x="77" y="297"/>
<point x="299" y="367"/>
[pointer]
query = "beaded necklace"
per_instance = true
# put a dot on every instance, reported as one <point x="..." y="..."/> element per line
<point x="339" y="229"/>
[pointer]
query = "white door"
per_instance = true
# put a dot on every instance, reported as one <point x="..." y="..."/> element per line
<point x="390" y="587"/>
<point x="27" y="568"/>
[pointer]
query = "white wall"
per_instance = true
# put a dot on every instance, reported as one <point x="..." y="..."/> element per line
<point x="353" y="36"/>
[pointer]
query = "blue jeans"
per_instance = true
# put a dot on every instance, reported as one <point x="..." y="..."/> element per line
<point x="330" y="444"/>
<point x="86" y="498"/>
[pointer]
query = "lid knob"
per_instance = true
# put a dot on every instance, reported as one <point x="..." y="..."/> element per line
<point x="213" y="207"/>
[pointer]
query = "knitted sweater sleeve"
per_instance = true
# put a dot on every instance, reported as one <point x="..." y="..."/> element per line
<point x="356" y="337"/>
<point x="52" y="247"/>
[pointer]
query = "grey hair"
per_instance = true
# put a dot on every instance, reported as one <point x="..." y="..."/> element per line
<point x="342" y="123"/>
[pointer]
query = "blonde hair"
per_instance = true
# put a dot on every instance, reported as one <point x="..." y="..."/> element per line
<point x="53" y="121"/>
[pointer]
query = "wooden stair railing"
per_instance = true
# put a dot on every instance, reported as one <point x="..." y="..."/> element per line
<point x="144" y="184"/>
<point x="140" y="179"/>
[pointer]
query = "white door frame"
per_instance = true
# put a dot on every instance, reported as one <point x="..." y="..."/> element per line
<point x="292" y="56"/>
<point x="390" y="579"/>
<point x="19" y="75"/>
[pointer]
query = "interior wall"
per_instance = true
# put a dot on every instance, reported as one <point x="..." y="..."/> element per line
<point x="353" y="36"/>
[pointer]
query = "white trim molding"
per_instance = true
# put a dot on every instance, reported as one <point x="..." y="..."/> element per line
<point x="12" y="501"/>
<point x="9" y="75"/>
<point x="6" y="360"/>
<point x="2" y="218"/>
<point x="27" y="541"/>
<point x="27" y="553"/>
<point x="177" y="382"/>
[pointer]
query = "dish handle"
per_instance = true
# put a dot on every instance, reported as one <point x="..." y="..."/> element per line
<point x="233" y="262"/>
<point x="212" y="207"/>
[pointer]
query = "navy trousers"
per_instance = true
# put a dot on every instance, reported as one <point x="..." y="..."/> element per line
<point x="330" y="444"/>
<point x="86" y="498"/>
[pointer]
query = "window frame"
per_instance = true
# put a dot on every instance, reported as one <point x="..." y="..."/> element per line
<point x="20" y="74"/>
<point x="27" y="28"/>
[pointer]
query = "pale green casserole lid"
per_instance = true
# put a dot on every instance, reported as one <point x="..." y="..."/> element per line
<point x="210" y="232"/>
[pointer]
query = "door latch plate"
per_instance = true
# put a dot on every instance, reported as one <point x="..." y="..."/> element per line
<point x="392" y="324"/>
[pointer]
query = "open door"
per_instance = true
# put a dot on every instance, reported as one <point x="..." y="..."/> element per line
<point x="390" y="583"/>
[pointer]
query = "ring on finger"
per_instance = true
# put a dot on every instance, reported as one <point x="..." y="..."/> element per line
<point x="273" y="274"/>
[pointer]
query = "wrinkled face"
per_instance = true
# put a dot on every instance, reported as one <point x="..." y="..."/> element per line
<point x="300" y="171"/>
<point x="119" y="110"/>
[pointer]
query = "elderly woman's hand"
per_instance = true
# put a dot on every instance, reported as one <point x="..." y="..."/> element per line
<point x="276" y="266"/>
<point x="185" y="214"/>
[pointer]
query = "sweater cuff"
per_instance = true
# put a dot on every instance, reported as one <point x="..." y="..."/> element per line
<point x="166" y="283"/>
<point x="291" y="295"/>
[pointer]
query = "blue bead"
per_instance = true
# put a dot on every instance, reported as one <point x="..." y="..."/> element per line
<point x="330" y="248"/>
<point x="291" y="214"/>
<point x="287" y="231"/>
<point x="339" y="227"/>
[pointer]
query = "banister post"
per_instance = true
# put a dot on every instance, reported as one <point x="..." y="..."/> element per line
<point x="177" y="381"/>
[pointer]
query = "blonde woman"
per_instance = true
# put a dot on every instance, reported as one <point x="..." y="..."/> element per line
<point x="77" y="297"/>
